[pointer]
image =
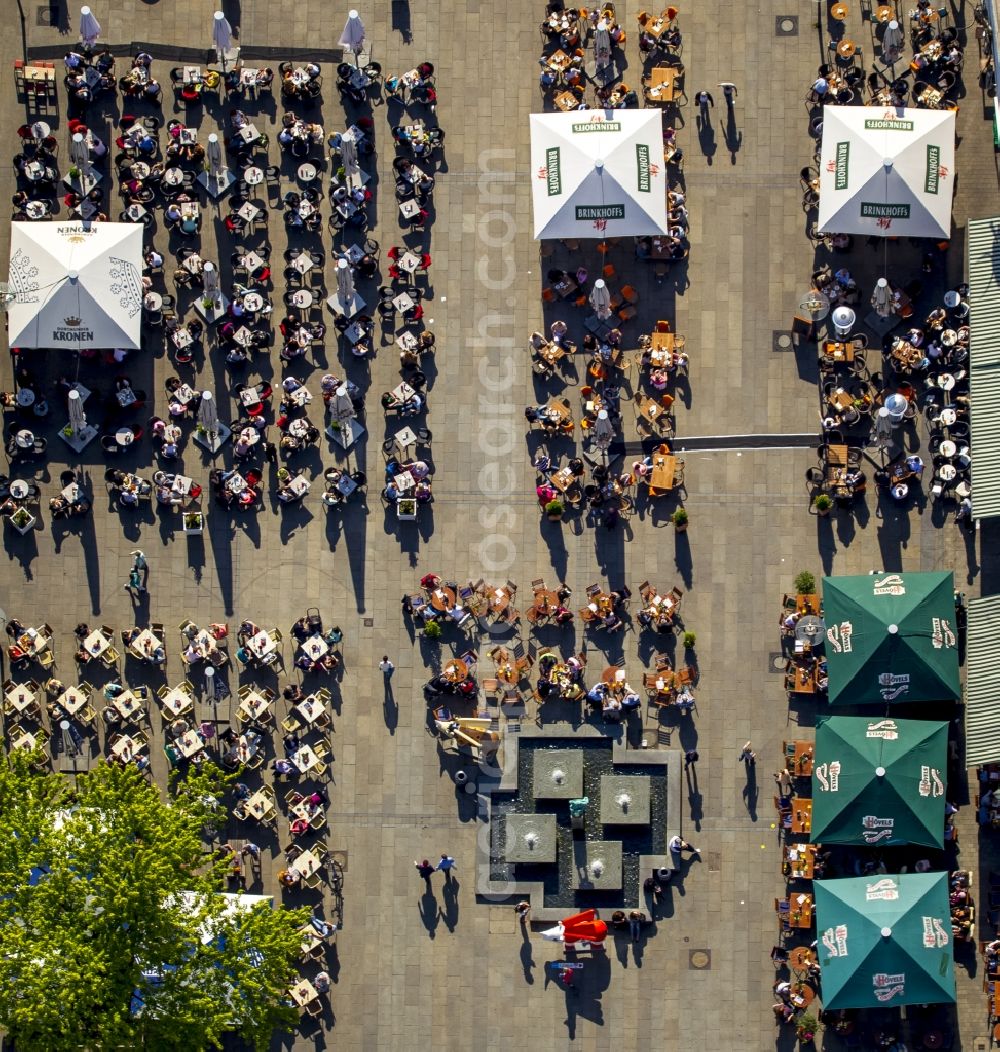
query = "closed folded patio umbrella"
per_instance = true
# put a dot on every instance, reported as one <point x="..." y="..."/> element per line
<point x="90" y="28"/>
<point x="600" y="299"/>
<point x="353" y="36"/>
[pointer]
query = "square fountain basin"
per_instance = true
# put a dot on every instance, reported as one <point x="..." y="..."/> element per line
<point x="615" y="785"/>
<point x="546" y="846"/>
<point x="586" y="853"/>
<point x="545" y="762"/>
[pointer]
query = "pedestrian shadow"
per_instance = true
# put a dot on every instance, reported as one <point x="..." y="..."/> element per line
<point x="390" y="710"/>
<point x="429" y="911"/>
<point x="694" y="798"/>
<point x="527" y="957"/>
<point x="732" y="135"/>
<point x="751" y="791"/>
<point x="706" y="137"/>
<point x="449" y="914"/>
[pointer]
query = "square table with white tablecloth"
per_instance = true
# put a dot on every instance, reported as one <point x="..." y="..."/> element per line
<point x="72" y="700"/>
<point x="145" y="644"/>
<point x="298" y="486"/>
<point x="128" y="705"/>
<point x="311" y="709"/>
<point x="261" y="644"/>
<point x="315" y="646"/>
<point x="307" y="863"/>
<point x="303" y="993"/>
<point x="248" y="211"/>
<point x="403" y="302"/>
<point x="125" y="747"/>
<point x="189" y="744"/>
<point x="20" y="697"/>
<point x="259" y="805"/>
<point x="254" y="705"/>
<point x="32" y="640"/>
<point x="176" y="701"/>
<point x="96" y="643"/>
<point x="247" y="134"/>
<point x="303" y="809"/>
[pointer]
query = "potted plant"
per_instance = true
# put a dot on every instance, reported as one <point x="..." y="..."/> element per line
<point x="208" y="302"/>
<point x="21" y="519"/>
<point x="432" y="630"/>
<point x="334" y="425"/>
<point x="806" y="1028"/>
<point x="194" y="522"/>
<point x="805" y="583"/>
<point x="554" y="510"/>
<point x="74" y="172"/>
<point x="689" y="639"/>
<point x="406" y="508"/>
<point x="680" y="520"/>
<point x="823" y="504"/>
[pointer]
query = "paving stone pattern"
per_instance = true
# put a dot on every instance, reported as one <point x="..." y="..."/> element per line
<point x="439" y="969"/>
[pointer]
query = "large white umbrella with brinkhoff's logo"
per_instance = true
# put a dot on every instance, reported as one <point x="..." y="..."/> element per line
<point x="598" y="173"/>
<point x="75" y="284"/>
<point x="888" y="172"/>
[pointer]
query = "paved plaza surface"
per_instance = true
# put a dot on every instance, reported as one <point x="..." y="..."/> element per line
<point x="441" y="969"/>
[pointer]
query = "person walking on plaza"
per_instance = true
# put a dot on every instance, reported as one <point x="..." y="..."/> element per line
<point x="690" y="758"/>
<point x="522" y="909"/>
<point x="139" y="573"/>
<point x="747" y="756"/>
<point x="386" y="667"/>
<point x="446" y="865"/>
<point x="705" y="102"/>
<point x="425" y="869"/>
<point x="635" y="919"/>
<point x="729" y="92"/>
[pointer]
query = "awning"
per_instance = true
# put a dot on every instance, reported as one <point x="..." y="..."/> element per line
<point x="598" y="173"/>
<point x="982" y="681"/>
<point x="887" y="172"/>
<point x="984" y="364"/>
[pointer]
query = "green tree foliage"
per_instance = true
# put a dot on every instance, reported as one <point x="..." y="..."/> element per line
<point x="112" y="934"/>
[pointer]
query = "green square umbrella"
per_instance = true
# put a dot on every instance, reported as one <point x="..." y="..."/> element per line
<point x="891" y="637"/>
<point x="885" y="940"/>
<point x="879" y="781"/>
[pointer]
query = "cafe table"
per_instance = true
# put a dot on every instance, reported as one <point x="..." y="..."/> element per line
<point x="403" y="302"/>
<point x="302" y="262"/>
<point x="125" y="748"/>
<point x="802" y="994"/>
<point x="248" y="211"/>
<point x="661" y="341"/>
<point x="661" y="474"/>
<point x="442" y="598"/>
<point x="810" y="629"/>
<point x="189" y="744"/>
<point x="662" y="83"/>
<point x="254" y="705"/>
<point x="145" y="644"/>
<point x="800" y="958"/>
<point x="247" y="134"/>
<point x="800" y="859"/>
<point x="20" y="697"/>
<point x="311" y="709"/>
<point x="409" y="209"/>
<point x="315" y="646"/>
<point x="305" y="760"/>
<point x="566" y="101"/>
<point x="307" y="863"/>
<point x="177" y="701"/>
<point x="261" y="644"/>
<point x="303" y="993"/>
<point x="302" y="808"/>
<point x="409" y="262"/>
<point x="260" y="805"/>
<point x="31" y="641"/>
<point x="799" y="757"/>
<point x="805" y="680"/>
<point x="800" y="910"/>
<point x="802" y="808"/>
<point x="559" y="61"/>
<point x="128" y="705"/>
<point x="311" y="938"/>
<point x="25" y="740"/>
<point x="455" y="671"/>
<point x="839" y="352"/>
<point x="72" y="700"/>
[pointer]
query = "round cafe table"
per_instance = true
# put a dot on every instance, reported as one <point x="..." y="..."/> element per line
<point x="946" y="472"/>
<point x="19" y="489"/>
<point x="25" y="397"/>
<point x="846" y="48"/>
<point x="253" y="301"/>
<point x="173" y="176"/>
<point x="948" y="417"/>
<point x="124" y="436"/>
<point x="40" y="130"/>
<point x="140" y="169"/>
<point x="810" y="629"/>
<point x="456" y="670"/>
<point x="884" y="13"/>
<point x="301" y="298"/>
<point x="947" y="448"/>
<point x="152" y="301"/>
<point x="254" y="175"/>
<point x="446" y="601"/>
<point x="307" y="172"/>
<point x="949" y="337"/>
<point x="839" y="11"/>
<point x="36" y="210"/>
<point x="24" y="439"/>
<point x="946" y="381"/>
<point x="963" y="489"/>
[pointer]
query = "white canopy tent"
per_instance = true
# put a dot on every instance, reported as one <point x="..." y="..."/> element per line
<point x="887" y="172"/>
<point x="75" y="284"/>
<point x="598" y="173"/>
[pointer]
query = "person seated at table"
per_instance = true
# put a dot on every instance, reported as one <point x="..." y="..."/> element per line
<point x="597" y="693"/>
<point x="558" y="329"/>
<point x="612" y="622"/>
